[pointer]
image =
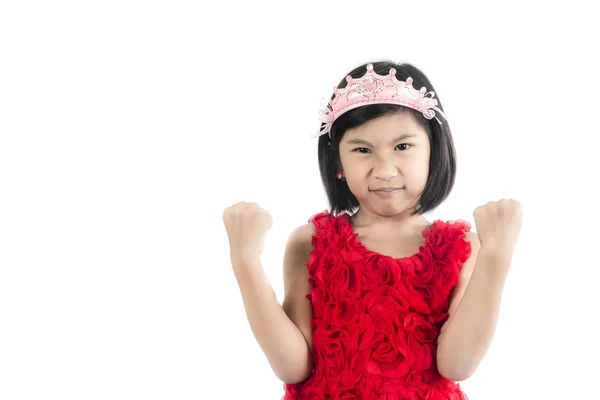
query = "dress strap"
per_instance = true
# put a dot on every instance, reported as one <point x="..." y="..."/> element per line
<point x="448" y="242"/>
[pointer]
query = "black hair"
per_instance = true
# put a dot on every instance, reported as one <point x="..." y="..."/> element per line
<point x="442" y="160"/>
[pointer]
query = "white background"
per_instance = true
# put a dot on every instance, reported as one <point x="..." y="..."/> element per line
<point x="127" y="127"/>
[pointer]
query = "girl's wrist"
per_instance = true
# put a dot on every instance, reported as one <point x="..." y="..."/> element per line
<point x="495" y="257"/>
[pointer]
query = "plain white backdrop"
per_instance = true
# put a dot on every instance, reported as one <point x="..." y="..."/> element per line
<point x="127" y="127"/>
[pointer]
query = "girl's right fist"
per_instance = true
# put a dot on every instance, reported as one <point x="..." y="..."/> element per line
<point x="247" y="225"/>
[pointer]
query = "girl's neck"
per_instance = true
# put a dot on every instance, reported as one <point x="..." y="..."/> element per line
<point x="365" y="219"/>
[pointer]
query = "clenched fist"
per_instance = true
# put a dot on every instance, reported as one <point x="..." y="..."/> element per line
<point x="498" y="224"/>
<point x="247" y="225"/>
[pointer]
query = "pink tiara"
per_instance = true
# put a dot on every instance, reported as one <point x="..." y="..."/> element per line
<point x="373" y="88"/>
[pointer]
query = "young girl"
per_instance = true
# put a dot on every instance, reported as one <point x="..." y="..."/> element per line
<point x="379" y="302"/>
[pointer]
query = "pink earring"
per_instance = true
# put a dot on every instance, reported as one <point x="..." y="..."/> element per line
<point x="340" y="175"/>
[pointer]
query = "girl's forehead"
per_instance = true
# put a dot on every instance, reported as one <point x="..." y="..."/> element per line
<point x="387" y="128"/>
<point x="390" y="122"/>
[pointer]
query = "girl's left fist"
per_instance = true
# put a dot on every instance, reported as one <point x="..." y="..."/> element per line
<point x="498" y="224"/>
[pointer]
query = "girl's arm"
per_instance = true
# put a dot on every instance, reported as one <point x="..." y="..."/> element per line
<point x="283" y="333"/>
<point x="473" y="312"/>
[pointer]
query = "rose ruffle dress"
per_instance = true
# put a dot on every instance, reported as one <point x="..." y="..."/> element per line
<point x="376" y="318"/>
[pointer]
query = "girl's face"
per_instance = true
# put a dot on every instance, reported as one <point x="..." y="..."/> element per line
<point x="390" y="152"/>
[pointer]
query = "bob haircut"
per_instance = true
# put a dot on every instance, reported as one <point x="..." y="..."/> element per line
<point x="442" y="161"/>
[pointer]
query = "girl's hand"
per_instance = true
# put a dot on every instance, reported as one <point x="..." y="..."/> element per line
<point x="247" y="225"/>
<point x="498" y="224"/>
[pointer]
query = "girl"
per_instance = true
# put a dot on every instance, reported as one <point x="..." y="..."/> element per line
<point x="379" y="302"/>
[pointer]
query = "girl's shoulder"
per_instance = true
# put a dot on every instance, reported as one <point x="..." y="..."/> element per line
<point x="304" y="233"/>
<point x="452" y="224"/>
<point x="450" y="230"/>
<point x="321" y="217"/>
<point x="299" y="242"/>
<point x="452" y="237"/>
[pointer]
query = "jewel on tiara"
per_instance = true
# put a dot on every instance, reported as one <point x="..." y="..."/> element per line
<point x="373" y="88"/>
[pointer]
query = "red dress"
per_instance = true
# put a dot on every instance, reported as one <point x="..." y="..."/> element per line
<point x="376" y="318"/>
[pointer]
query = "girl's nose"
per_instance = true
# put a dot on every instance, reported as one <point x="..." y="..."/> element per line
<point x="385" y="172"/>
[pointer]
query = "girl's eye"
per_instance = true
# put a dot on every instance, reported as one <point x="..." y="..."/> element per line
<point x="364" y="150"/>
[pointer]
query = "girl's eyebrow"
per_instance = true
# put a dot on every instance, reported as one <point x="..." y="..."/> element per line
<point x="399" y="138"/>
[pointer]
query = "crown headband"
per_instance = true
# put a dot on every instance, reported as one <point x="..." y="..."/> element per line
<point x="373" y="88"/>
